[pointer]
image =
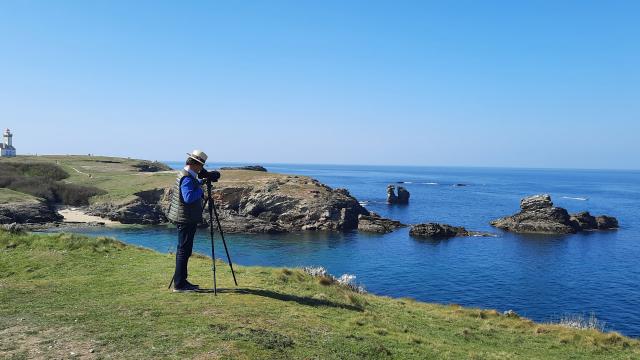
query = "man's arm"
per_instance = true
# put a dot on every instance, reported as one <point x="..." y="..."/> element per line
<point x="191" y="190"/>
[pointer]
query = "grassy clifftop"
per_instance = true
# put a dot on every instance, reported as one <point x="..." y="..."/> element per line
<point x="71" y="296"/>
<point x="119" y="178"/>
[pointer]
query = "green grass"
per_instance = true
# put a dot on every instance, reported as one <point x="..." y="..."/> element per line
<point x="121" y="180"/>
<point x="117" y="176"/>
<point x="10" y="196"/>
<point x="67" y="293"/>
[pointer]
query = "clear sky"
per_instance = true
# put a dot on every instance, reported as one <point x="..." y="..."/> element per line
<point x="481" y="83"/>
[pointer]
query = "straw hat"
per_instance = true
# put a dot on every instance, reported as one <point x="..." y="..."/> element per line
<point x="198" y="156"/>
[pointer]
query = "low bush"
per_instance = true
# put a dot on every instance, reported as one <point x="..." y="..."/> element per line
<point x="44" y="170"/>
<point x="42" y="180"/>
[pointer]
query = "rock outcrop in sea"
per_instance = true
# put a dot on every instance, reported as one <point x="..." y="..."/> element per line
<point x="247" y="167"/>
<point x="374" y="223"/>
<point x="442" y="231"/>
<point x="538" y="215"/>
<point x="401" y="198"/>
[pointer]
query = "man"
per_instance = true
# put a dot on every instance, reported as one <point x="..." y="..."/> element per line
<point x="185" y="210"/>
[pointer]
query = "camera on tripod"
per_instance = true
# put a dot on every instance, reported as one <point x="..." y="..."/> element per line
<point x="212" y="175"/>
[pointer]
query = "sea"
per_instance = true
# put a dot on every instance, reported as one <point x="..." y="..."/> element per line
<point x="541" y="277"/>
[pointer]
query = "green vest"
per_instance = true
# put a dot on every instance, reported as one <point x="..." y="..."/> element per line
<point x="180" y="212"/>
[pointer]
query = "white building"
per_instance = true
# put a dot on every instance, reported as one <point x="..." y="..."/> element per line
<point x="6" y="148"/>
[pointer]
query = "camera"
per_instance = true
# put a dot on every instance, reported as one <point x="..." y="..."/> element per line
<point x="212" y="175"/>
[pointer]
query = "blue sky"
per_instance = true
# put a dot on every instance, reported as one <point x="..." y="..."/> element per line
<point x="481" y="83"/>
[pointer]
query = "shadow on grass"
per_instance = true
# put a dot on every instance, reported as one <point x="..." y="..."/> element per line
<point x="303" y="300"/>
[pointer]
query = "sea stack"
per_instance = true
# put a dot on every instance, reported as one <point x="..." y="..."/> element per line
<point x="538" y="215"/>
<point x="402" y="197"/>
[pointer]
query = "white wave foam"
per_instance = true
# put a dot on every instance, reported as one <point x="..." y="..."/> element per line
<point x="575" y="198"/>
<point x="431" y="183"/>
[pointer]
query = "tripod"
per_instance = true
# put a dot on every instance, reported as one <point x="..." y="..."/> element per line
<point x="212" y="212"/>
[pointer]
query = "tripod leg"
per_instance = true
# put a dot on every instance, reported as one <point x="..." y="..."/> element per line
<point x="171" y="283"/>
<point x="213" y="252"/>
<point x="212" y="204"/>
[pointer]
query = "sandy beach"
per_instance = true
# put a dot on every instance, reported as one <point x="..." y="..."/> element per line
<point x="75" y="215"/>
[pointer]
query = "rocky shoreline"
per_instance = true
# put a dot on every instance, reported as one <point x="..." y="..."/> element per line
<point x="248" y="201"/>
<point x="28" y="212"/>
<point x="251" y="200"/>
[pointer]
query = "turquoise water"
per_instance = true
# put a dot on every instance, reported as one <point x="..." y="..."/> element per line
<point x="541" y="277"/>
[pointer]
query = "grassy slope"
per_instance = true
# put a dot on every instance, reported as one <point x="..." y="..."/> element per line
<point x="115" y="175"/>
<point x="10" y="196"/>
<point x="121" y="180"/>
<point x="67" y="293"/>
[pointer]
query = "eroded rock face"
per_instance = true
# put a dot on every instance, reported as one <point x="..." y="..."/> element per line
<point x="538" y="215"/>
<point x="145" y="209"/>
<point x="281" y="203"/>
<point x="376" y="224"/>
<point x="28" y="212"/>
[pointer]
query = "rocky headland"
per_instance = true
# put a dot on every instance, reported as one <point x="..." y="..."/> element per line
<point x="254" y="201"/>
<point x="248" y="199"/>
<point x="538" y="215"/>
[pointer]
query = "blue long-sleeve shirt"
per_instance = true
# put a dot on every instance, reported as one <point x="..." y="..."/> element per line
<point x="191" y="190"/>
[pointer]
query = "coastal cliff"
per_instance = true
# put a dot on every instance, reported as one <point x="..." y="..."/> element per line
<point x="249" y="200"/>
<point x="257" y="201"/>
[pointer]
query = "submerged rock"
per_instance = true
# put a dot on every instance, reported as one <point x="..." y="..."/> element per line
<point x="538" y="215"/>
<point x="376" y="224"/>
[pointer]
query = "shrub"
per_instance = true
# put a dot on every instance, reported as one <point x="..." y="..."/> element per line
<point x="44" y="170"/>
<point x="42" y="180"/>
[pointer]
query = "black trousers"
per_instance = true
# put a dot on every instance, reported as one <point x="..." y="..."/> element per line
<point x="186" y="232"/>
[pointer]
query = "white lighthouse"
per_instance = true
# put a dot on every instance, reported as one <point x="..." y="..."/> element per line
<point x="6" y="148"/>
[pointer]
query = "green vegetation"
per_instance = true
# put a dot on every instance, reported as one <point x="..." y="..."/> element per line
<point x="87" y="179"/>
<point x="11" y="196"/>
<point x="42" y="180"/>
<point x="100" y="298"/>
